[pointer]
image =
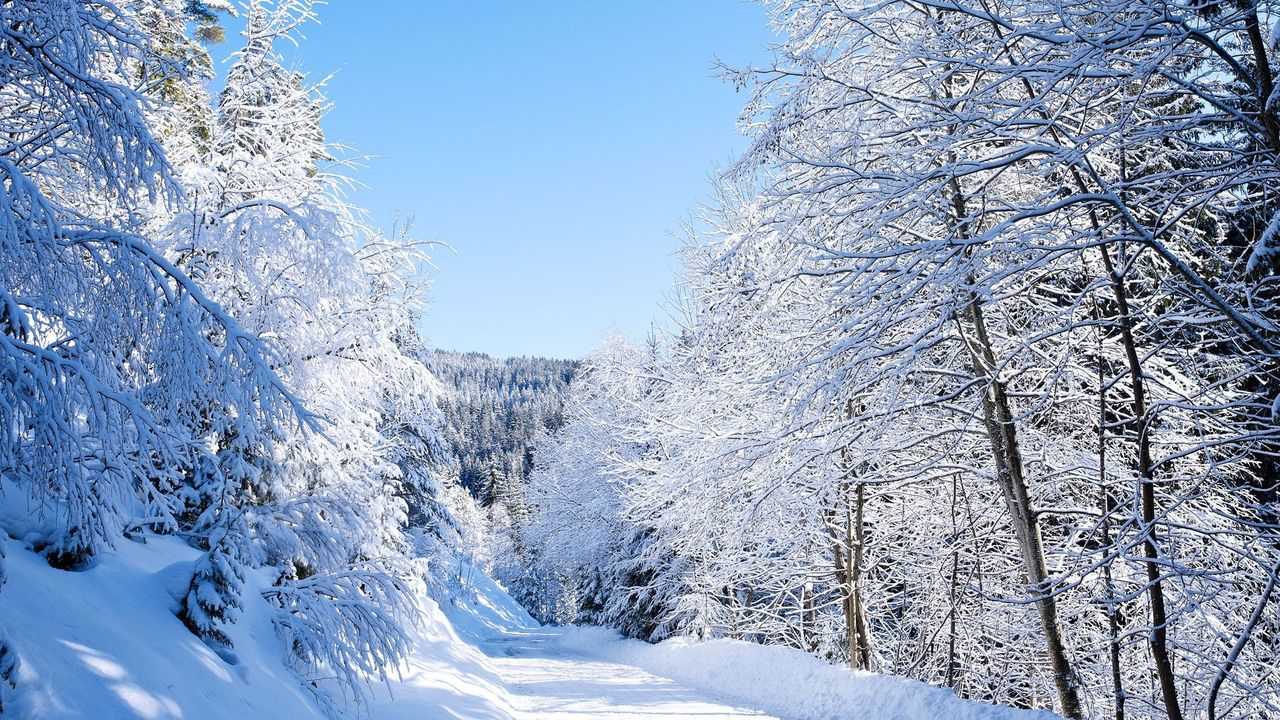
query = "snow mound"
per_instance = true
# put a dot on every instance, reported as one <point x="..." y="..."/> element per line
<point x="105" y="644"/>
<point x="786" y="682"/>
<point x="447" y="676"/>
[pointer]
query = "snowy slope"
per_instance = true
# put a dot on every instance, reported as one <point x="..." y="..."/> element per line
<point x="105" y="644"/>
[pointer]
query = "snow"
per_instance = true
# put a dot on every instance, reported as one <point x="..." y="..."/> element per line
<point x="1265" y="250"/>
<point x="786" y="681"/>
<point x="482" y="656"/>
<point x="485" y="654"/>
<point x="105" y="643"/>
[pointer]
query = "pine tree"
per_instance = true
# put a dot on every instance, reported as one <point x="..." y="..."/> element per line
<point x="213" y="599"/>
<point x="183" y="115"/>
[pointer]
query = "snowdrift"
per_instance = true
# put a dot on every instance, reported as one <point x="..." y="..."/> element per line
<point x="786" y="682"/>
<point x="447" y="675"/>
<point x="105" y="643"/>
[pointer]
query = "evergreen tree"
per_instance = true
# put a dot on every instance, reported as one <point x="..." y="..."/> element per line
<point x="213" y="598"/>
<point x="493" y="410"/>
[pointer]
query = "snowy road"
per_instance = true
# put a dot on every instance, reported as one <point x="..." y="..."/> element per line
<point x="491" y="661"/>
<point x="481" y="657"/>
<point x="545" y="681"/>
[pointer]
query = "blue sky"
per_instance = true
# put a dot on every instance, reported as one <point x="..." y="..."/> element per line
<point x="554" y="145"/>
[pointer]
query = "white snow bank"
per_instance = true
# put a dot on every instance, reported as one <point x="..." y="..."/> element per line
<point x="786" y="682"/>
<point x="447" y="674"/>
<point x="444" y="677"/>
<point x="483" y="609"/>
<point x="105" y="644"/>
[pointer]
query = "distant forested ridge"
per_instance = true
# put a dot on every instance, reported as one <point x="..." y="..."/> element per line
<point x="493" y="409"/>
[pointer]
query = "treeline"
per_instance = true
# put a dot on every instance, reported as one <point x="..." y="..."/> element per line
<point x="199" y="337"/>
<point x="977" y="380"/>
<point x="493" y="409"/>
<point x="495" y="413"/>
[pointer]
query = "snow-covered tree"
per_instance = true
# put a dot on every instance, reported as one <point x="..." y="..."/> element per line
<point x="266" y="230"/>
<point x="198" y="335"/>
<point x="495" y="408"/>
<point x="619" y="570"/>
<point x="96" y="320"/>
<point x="976" y="371"/>
<point x="216" y="587"/>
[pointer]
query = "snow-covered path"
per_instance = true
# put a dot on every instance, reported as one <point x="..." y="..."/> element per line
<point x="547" y="681"/>
<point x="484" y="658"/>
<point x="481" y="657"/>
<point x="105" y="644"/>
<point x="527" y="673"/>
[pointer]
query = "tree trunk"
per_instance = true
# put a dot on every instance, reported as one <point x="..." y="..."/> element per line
<point x="951" y="589"/>
<point x="808" y="618"/>
<point x="848" y="550"/>
<point x="1105" y="507"/>
<point x="845" y="535"/>
<point x="998" y="420"/>
<point x="1159" y="638"/>
<point x="997" y="416"/>
<point x="858" y="609"/>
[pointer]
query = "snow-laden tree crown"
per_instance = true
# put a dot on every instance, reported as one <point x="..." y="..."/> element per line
<point x="200" y="337"/>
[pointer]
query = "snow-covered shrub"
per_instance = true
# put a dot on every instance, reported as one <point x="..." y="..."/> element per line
<point x="215" y="592"/>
